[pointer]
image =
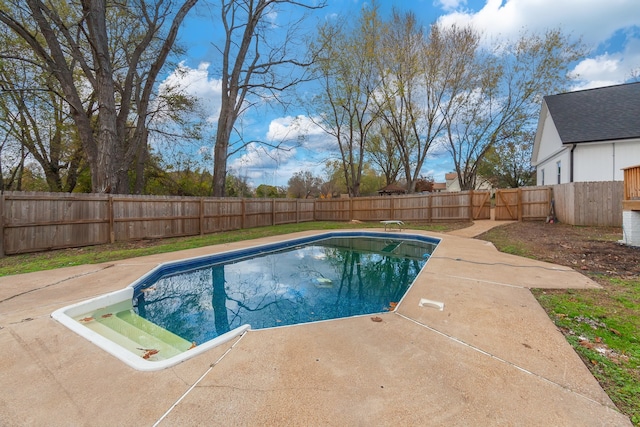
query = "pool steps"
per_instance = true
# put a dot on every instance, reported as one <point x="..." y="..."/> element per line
<point x="137" y="334"/>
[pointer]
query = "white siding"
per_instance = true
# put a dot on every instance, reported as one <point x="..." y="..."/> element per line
<point x="604" y="161"/>
<point x="550" y="141"/>
<point x="627" y="154"/>
<point x="550" y="168"/>
<point x="593" y="162"/>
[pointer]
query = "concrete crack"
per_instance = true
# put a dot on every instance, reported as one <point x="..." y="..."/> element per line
<point x="56" y="283"/>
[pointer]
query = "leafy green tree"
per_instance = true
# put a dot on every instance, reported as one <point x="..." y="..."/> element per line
<point x="508" y="164"/>
<point x="28" y="177"/>
<point x="176" y="180"/>
<point x="333" y="184"/>
<point x="382" y="153"/>
<point x="33" y="118"/>
<point x="237" y="186"/>
<point x="270" y="191"/>
<point x="372" y="181"/>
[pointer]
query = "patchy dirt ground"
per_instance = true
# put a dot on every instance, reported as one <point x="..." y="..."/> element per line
<point x="601" y="324"/>
<point x="594" y="251"/>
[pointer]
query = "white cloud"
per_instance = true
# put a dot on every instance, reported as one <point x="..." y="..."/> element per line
<point x="609" y="68"/>
<point x="595" y="20"/>
<point x="290" y="128"/>
<point x="272" y="18"/>
<point x="264" y="165"/>
<point x="609" y="28"/>
<point x="603" y="70"/>
<point x="302" y="145"/>
<point x="302" y="130"/>
<point x="259" y="156"/>
<point x="331" y="16"/>
<point x="196" y="82"/>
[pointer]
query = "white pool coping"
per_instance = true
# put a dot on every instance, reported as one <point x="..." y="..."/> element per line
<point x="66" y="316"/>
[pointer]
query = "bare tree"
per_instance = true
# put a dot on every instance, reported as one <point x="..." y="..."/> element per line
<point x="504" y="95"/>
<point x="303" y="185"/>
<point x="114" y="50"/>
<point x="382" y="152"/>
<point x="346" y="71"/>
<point x="400" y="66"/>
<point x="251" y="58"/>
<point x="422" y="75"/>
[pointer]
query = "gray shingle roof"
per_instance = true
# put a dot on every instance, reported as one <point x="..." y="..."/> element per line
<point x="602" y="114"/>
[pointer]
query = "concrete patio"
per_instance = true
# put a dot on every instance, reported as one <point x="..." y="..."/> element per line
<point x="491" y="357"/>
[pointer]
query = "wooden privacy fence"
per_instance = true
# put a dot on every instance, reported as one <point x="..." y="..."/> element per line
<point x="462" y="206"/>
<point x="589" y="203"/>
<point x="32" y="222"/>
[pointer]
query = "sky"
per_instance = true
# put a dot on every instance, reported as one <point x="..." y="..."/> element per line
<point x="610" y="29"/>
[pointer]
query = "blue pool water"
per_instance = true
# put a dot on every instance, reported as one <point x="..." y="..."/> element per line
<point x="282" y="284"/>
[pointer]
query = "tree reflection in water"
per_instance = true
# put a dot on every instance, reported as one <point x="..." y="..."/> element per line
<point x="336" y="277"/>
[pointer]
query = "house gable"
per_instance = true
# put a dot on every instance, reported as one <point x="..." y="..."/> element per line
<point x="547" y="141"/>
<point x="587" y="135"/>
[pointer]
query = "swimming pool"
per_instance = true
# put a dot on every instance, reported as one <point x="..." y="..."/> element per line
<point x="183" y="308"/>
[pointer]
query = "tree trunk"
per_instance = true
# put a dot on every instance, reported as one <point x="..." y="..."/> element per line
<point x="110" y="157"/>
<point x="220" y="161"/>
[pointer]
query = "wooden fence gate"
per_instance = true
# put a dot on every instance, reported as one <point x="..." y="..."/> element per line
<point x="507" y="204"/>
<point x="481" y="205"/>
<point x="524" y="203"/>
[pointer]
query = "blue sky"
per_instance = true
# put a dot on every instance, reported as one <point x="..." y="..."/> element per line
<point x="611" y="29"/>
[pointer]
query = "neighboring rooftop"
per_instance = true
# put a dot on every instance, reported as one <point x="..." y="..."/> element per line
<point x="392" y="189"/>
<point x="601" y="114"/>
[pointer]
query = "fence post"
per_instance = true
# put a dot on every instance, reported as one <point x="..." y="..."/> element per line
<point x="112" y="234"/>
<point x="519" y="196"/>
<point x="242" y="219"/>
<point x="201" y="215"/>
<point x="350" y="208"/>
<point x="392" y="207"/>
<point x="273" y="211"/>
<point x="298" y="211"/>
<point x="470" y="205"/>
<point x="2" y="224"/>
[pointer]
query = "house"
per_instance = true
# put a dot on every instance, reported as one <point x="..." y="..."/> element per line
<point x="439" y="187"/>
<point x="588" y="135"/>
<point x="452" y="184"/>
